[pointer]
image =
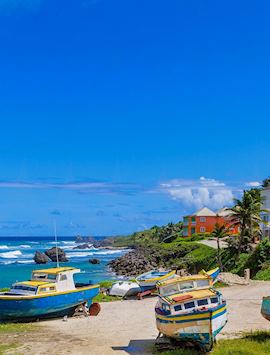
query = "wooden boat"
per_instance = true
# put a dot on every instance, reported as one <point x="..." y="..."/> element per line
<point x="212" y="273"/>
<point x="190" y="310"/>
<point x="265" y="308"/>
<point x="148" y="280"/>
<point x="124" y="289"/>
<point x="50" y="293"/>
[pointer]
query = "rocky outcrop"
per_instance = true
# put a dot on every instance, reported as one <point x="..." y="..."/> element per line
<point x="232" y="279"/>
<point x="41" y="258"/>
<point x="132" y="263"/>
<point x="95" y="242"/>
<point x="94" y="261"/>
<point x="83" y="246"/>
<point x="51" y="253"/>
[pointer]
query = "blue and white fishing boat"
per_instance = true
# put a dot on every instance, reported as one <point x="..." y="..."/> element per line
<point x="148" y="280"/>
<point x="212" y="273"/>
<point x="190" y="310"/>
<point x="50" y="293"/>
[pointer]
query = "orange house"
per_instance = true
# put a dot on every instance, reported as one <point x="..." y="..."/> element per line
<point x="204" y="220"/>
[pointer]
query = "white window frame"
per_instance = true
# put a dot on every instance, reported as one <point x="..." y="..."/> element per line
<point x="202" y="219"/>
<point x="202" y="229"/>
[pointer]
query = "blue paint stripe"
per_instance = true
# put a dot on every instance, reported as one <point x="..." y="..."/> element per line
<point x="203" y="312"/>
<point x="191" y="320"/>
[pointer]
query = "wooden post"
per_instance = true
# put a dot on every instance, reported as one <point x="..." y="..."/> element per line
<point x="247" y="274"/>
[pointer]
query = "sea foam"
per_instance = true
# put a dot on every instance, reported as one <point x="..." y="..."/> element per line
<point x="3" y="247"/>
<point x="11" y="254"/>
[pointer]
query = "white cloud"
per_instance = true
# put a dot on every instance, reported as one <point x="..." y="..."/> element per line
<point x="199" y="193"/>
<point x="253" y="184"/>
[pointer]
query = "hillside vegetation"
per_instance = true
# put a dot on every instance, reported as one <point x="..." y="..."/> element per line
<point x="163" y="247"/>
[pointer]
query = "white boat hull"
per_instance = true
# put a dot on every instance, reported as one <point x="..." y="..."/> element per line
<point x="124" y="289"/>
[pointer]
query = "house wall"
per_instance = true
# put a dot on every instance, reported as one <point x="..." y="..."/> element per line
<point x="201" y="224"/>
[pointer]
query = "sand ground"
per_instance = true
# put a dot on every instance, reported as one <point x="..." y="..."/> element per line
<point x="128" y="327"/>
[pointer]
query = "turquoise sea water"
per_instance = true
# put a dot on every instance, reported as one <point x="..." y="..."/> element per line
<point x="16" y="258"/>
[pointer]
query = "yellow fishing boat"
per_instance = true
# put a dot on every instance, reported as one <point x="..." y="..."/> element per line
<point x="190" y="310"/>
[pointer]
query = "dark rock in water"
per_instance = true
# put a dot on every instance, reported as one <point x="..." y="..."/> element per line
<point x="94" y="261"/>
<point x="40" y="258"/>
<point x="83" y="246"/>
<point x="51" y="253"/>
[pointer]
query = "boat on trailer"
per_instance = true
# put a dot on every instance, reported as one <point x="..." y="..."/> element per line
<point x="148" y="280"/>
<point x="190" y="310"/>
<point x="50" y="293"/>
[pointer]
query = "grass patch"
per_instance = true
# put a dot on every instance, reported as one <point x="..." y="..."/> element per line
<point x="8" y="331"/>
<point x="16" y="327"/>
<point x="6" y="347"/>
<point x="257" y="343"/>
<point x="106" y="298"/>
<point x="106" y="283"/>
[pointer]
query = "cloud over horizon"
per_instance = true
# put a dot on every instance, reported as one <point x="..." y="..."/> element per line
<point x="82" y="187"/>
<point x="199" y="193"/>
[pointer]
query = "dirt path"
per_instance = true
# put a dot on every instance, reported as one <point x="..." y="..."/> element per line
<point x="128" y="327"/>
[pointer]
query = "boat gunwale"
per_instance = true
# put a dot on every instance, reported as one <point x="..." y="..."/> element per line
<point x="31" y="297"/>
<point x="171" y="273"/>
<point x="195" y="293"/>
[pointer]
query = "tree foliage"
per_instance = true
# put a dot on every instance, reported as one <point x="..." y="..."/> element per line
<point x="266" y="182"/>
<point x="246" y="214"/>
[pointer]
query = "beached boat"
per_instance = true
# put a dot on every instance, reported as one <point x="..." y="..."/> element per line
<point x="50" y="293"/>
<point x="265" y="308"/>
<point x="124" y="289"/>
<point x="212" y="273"/>
<point x="148" y="280"/>
<point x="190" y="310"/>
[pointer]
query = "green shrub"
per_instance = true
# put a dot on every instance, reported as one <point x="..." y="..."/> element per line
<point x="240" y="264"/>
<point x="263" y="275"/>
<point x="203" y="257"/>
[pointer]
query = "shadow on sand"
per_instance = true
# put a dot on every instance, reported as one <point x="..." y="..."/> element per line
<point x="140" y="346"/>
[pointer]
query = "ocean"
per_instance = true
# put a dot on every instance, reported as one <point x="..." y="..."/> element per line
<point x="16" y="258"/>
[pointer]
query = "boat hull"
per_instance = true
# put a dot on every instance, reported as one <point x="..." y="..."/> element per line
<point x="198" y="327"/>
<point x="27" y="308"/>
<point x="150" y="283"/>
<point x="124" y="289"/>
<point x="265" y="308"/>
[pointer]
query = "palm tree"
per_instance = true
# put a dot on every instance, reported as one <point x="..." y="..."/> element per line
<point x="219" y="232"/>
<point x="246" y="214"/>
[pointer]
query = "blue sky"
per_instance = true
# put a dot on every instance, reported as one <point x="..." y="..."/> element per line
<point x="117" y="115"/>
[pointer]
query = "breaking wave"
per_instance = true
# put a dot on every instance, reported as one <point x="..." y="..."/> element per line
<point x="11" y="254"/>
<point x="3" y="247"/>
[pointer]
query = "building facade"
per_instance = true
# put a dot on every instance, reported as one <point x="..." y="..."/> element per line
<point x="204" y="221"/>
<point x="266" y="215"/>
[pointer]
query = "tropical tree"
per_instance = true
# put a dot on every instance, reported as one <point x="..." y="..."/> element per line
<point x="246" y="214"/>
<point x="266" y="182"/>
<point x="219" y="232"/>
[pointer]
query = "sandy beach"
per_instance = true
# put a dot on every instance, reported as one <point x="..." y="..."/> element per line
<point x="128" y="327"/>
